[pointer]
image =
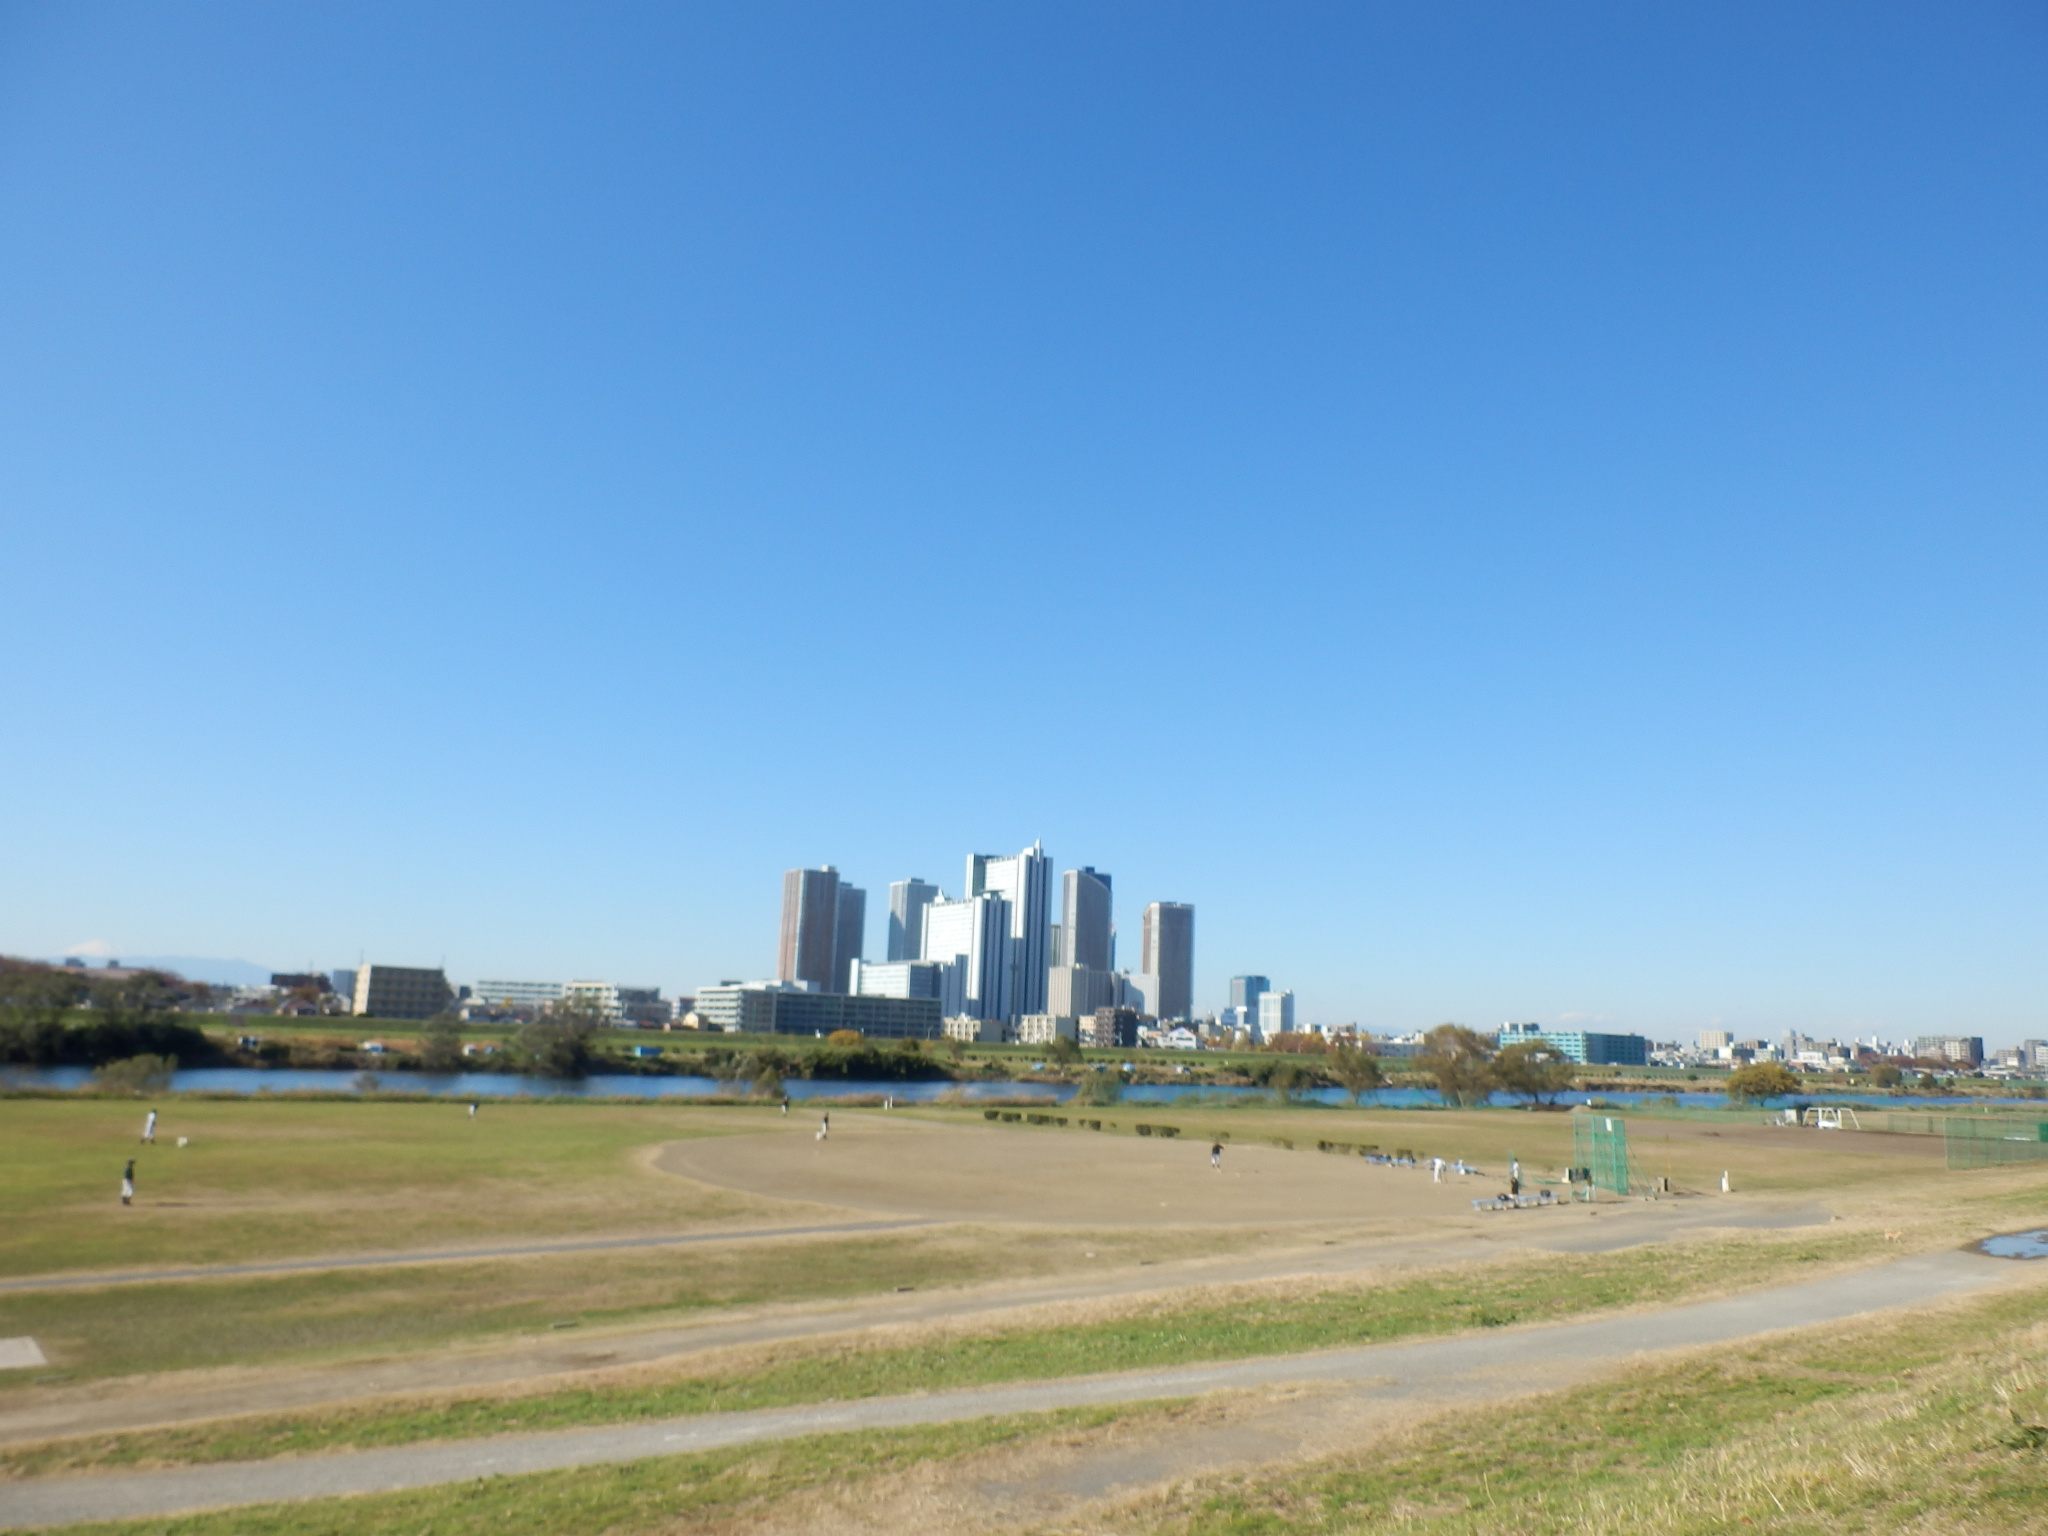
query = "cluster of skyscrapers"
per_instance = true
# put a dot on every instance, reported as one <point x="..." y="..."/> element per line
<point x="993" y="953"/>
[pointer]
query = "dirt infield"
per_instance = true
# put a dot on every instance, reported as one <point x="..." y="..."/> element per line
<point x="1069" y="1177"/>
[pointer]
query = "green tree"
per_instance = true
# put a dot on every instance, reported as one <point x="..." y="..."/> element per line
<point x="136" y="1076"/>
<point x="138" y="1002"/>
<point x="558" y="1043"/>
<point x="1760" y="1080"/>
<point x="1461" y="1063"/>
<point x="34" y="1001"/>
<point x="1065" y="1051"/>
<point x="1285" y="1076"/>
<point x="1885" y="1075"/>
<point x="1099" y="1088"/>
<point x="441" y="1044"/>
<point x="1535" y="1069"/>
<point x="1355" y="1070"/>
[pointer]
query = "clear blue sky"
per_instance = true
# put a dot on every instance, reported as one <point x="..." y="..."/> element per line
<point x="1514" y="511"/>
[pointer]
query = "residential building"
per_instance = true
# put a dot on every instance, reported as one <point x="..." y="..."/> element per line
<point x="1111" y="1029"/>
<point x="972" y="1031"/>
<point x="970" y="939"/>
<point x="1044" y="1028"/>
<point x="897" y="978"/>
<point x="1716" y="1040"/>
<point x="1023" y="880"/>
<point x="400" y="992"/>
<point x="601" y="997"/>
<point x="1276" y="1014"/>
<point x="907" y="901"/>
<point x="823" y="923"/>
<point x="644" y="1007"/>
<point x="1586" y="1047"/>
<point x="791" y="1008"/>
<point x="1957" y="1050"/>
<point x="525" y="997"/>
<point x="1168" y="952"/>
<point x="343" y="982"/>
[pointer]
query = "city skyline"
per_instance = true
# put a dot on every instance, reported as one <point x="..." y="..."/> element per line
<point x="1539" y="511"/>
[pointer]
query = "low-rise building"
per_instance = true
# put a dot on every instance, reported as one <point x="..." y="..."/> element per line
<point x="520" y="997"/>
<point x="400" y="992"/>
<point x="1044" y="1028"/>
<point x="1588" y="1048"/>
<point x="794" y="1008"/>
<point x="969" y="1030"/>
<point x="896" y="978"/>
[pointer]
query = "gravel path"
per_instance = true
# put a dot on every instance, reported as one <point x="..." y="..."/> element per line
<point x="1451" y="1366"/>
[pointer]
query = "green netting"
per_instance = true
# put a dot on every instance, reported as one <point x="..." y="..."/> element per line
<point x="1600" y="1146"/>
<point x="1987" y="1141"/>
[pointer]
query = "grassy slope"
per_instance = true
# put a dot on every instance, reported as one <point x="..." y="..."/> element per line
<point x="1915" y="1423"/>
<point x="702" y="1492"/>
<point x="1148" y="1334"/>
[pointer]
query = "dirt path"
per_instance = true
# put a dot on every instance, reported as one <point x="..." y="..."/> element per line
<point x="1465" y="1366"/>
<point x="100" y="1279"/>
<point x="595" y="1355"/>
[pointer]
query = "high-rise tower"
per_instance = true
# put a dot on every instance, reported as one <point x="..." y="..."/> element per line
<point x="1025" y="881"/>
<point x="1168" y="953"/>
<point x="1085" y="920"/>
<point x="970" y="940"/>
<point x="907" y="901"/>
<point x="822" y="926"/>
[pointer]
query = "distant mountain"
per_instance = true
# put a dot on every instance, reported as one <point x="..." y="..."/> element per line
<point x="221" y="973"/>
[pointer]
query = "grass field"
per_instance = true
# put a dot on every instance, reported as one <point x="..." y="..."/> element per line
<point x="292" y="1178"/>
<point x="1243" y="1323"/>
<point x="346" y="1314"/>
<point x="1933" y="1424"/>
<point x="284" y="1178"/>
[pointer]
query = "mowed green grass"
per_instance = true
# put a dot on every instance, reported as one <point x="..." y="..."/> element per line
<point x="336" y="1315"/>
<point x="1135" y="1335"/>
<point x="288" y="1178"/>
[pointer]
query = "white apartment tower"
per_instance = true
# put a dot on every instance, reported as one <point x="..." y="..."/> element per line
<point x="1024" y="881"/>
<point x="971" y="941"/>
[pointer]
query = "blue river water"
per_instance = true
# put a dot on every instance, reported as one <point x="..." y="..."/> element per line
<point x="500" y="1085"/>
